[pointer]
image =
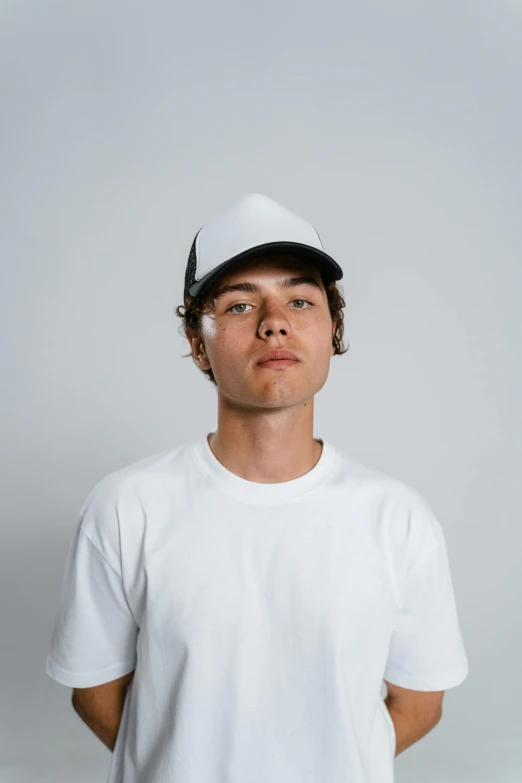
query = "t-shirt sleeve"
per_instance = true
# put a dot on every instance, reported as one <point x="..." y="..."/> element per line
<point x="95" y="634"/>
<point x="426" y="650"/>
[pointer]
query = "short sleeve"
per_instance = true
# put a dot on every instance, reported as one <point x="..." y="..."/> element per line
<point x="426" y="650"/>
<point x="95" y="634"/>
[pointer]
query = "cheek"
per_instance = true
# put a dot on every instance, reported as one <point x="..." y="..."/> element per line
<point x="320" y="332"/>
<point x="228" y="342"/>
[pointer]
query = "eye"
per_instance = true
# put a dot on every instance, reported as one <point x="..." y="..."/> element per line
<point x="243" y="304"/>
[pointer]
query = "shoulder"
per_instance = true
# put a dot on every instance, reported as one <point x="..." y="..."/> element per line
<point x="403" y="513"/>
<point x="121" y="497"/>
<point x="118" y="485"/>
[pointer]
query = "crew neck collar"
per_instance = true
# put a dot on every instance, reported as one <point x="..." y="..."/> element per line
<point x="256" y="492"/>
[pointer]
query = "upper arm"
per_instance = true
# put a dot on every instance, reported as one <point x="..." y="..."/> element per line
<point x="101" y="698"/>
<point x="426" y="650"/>
<point x="427" y="704"/>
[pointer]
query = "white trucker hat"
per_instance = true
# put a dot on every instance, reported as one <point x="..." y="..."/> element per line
<point x="253" y="226"/>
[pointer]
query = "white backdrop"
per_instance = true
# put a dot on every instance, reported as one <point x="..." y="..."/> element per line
<point x="395" y="128"/>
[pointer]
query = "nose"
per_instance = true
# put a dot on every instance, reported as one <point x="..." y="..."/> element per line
<point x="274" y="320"/>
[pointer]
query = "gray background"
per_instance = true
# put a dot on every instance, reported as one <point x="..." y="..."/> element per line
<point x="395" y="127"/>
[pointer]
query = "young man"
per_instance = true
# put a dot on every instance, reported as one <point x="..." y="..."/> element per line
<point x="231" y="607"/>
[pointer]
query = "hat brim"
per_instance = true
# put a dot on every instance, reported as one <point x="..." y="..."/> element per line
<point x="313" y="254"/>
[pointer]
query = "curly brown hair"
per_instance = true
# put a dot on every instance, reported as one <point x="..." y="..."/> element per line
<point x="197" y="306"/>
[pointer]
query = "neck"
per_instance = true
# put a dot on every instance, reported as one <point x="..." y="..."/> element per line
<point x="266" y="454"/>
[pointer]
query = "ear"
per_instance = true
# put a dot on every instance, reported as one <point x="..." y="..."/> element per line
<point x="198" y="352"/>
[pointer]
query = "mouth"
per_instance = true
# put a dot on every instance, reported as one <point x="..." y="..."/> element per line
<point x="278" y="363"/>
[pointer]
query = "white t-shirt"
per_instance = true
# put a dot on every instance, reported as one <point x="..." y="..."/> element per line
<point x="260" y="619"/>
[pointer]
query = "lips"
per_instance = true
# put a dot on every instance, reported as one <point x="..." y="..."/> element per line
<point x="276" y="355"/>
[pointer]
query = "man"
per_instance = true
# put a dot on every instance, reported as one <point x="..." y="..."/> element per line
<point x="230" y="607"/>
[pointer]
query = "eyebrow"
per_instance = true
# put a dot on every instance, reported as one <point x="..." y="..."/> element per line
<point x="253" y="288"/>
